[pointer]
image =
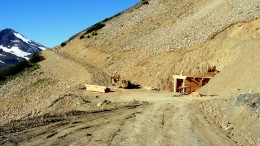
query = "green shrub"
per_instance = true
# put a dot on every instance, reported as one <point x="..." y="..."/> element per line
<point x="145" y="2"/>
<point x="63" y="44"/>
<point x="81" y="37"/>
<point x="36" y="58"/>
<point x="94" y="33"/>
<point x="20" y="69"/>
<point x="15" y="69"/>
<point x="95" y="27"/>
<point x="105" y="20"/>
<point x="71" y="38"/>
<point x="2" y="76"/>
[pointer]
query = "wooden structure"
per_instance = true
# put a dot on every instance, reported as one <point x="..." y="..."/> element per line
<point x="177" y="83"/>
<point x="187" y="85"/>
<point x="96" y="88"/>
<point x="185" y="89"/>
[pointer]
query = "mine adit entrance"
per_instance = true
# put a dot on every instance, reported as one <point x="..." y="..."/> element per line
<point x="188" y="84"/>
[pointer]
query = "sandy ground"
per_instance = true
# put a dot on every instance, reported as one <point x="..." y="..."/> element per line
<point x="162" y="120"/>
<point x="47" y="108"/>
<point x="169" y="121"/>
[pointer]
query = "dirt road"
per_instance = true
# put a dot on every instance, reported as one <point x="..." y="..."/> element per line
<point x="165" y="120"/>
<point x="170" y="121"/>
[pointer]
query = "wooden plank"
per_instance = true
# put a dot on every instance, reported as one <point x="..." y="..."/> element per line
<point x="97" y="88"/>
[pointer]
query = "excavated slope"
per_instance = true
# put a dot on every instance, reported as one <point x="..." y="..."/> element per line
<point x="150" y="43"/>
<point x="147" y="44"/>
<point x="242" y="75"/>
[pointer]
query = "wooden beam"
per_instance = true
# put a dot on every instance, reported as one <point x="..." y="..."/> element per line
<point x="96" y="88"/>
<point x="175" y="78"/>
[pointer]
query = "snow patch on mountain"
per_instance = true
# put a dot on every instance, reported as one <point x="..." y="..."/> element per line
<point x="15" y="41"/>
<point x="14" y="48"/>
<point x="16" y="51"/>
<point x="43" y="48"/>
<point x="22" y="38"/>
<point x="38" y="45"/>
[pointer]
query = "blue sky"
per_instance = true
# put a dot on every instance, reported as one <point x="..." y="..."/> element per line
<point x="51" y="22"/>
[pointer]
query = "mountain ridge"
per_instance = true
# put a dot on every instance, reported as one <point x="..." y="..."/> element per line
<point x="15" y="48"/>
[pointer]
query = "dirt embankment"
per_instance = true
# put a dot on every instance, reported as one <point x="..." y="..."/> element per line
<point x="239" y="118"/>
<point x="117" y="119"/>
<point x="149" y="44"/>
<point x="71" y="119"/>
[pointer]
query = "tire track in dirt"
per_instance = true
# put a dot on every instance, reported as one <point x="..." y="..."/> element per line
<point x="81" y="129"/>
<point x="170" y="123"/>
<point x="164" y="120"/>
<point x="141" y="129"/>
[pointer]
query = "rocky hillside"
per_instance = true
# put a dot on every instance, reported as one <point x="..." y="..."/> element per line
<point x="150" y="42"/>
<point x="146" y="44"/>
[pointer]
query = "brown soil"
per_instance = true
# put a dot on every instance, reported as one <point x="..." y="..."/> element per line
<point x="146" y="44"/>
<point x="163" y="120"/>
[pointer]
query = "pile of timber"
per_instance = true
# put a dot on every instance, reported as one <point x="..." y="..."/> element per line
<point x="96" y="88"/>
